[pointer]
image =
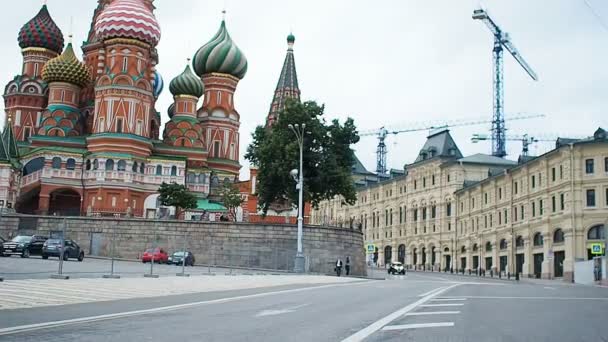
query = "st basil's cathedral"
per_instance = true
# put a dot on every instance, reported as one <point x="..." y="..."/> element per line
<point x="84" y="137"/>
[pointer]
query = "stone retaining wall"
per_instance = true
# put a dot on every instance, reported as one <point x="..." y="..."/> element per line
<point x="268" y="246"/>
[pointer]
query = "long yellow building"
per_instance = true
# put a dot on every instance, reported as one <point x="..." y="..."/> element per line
<point x="446" y="211"/>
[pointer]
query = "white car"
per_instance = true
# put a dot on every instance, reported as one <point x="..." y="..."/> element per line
<point x="396" y="267"/>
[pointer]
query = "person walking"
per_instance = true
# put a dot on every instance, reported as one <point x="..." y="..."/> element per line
<point x="339" y="267"/>
<point x="347" y="266"/>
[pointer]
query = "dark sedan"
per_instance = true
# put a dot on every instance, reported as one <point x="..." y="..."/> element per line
<point x="2" y="241"/>
<point x="52" y="247"/>
<point x="178" y="257"/>
<point x="24" y="245"/>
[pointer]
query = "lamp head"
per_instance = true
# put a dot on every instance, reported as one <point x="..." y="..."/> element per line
<point x="294" y="174"/>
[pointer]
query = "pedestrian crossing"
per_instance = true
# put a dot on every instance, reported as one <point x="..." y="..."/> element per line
<point x="20" y="294"/>
<point x="436" y="313"/>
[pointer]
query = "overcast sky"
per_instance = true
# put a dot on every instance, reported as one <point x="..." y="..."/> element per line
<point x="390" y="62"/>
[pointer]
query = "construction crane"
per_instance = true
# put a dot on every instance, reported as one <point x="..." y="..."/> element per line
<point x="501" y="39"/>
<point x="382" y="132"/>
<point x="525" y="139"/>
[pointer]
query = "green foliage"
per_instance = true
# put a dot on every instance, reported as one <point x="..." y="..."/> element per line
<point x="328" y="157"/>
<point x="178" y="196"/>
<point x="231" y="198"/>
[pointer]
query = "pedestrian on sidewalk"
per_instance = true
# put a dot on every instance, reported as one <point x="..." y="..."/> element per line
<point x="338" y="267"/>
<point x="347" y="266"/>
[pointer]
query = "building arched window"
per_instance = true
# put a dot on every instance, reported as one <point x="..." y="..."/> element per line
<point x="33" y="165"/>
<point x="95" y="164"/>
<point x="202" y="178"/>
<point x="134" y="167"/>
<point x="488" y="246"/>
<point x="122" y="165"/>
<point x="596" y="232"/>
<point x="519" y="241"/>
<point x="191" y="178"/>
<point x="56" y="163"/>
<point x="142" y="168"/>
<point x="159" y="170"/>
<point x="109" y="165"/>
<point x="538" y="239"/>
<point x="475" y="248"/>
<point x="70" y="164"/>
<point x="173" y="170"/>
<point x="503" y="244"/>
<point x="88" y="164"/>
<point x="463" y="249"/>
<point x="558" y="236"/>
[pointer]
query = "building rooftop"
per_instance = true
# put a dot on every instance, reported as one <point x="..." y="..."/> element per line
<point x="440" y="144"/>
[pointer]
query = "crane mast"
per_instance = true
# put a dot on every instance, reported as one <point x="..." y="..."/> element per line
<point x="501" y="40"/>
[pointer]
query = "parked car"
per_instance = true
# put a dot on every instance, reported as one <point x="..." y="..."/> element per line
<point x="396" y="267"/>
<point x="2" y="241"/>
<point x="177" y="258"/>
<point x="159" y="255"/>
<point x="52" y="247"/>
<point x="24" y="245"/>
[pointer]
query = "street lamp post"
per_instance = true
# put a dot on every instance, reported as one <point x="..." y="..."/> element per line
<point x="298" y="176"/>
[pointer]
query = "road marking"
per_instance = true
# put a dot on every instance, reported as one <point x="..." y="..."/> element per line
<point x="446" y="299"/>
<point x="372" y="328"/>
<point x="551" y="298"/>
<point x="419" y="325"/>
<point x="436" y="305"/>
<point x="424" y="313"/>
<point x="549" y="288"/>
<point x="279" y="312"/>
<point x="53" y="324"/>
<point x="429" y="292"/>
<point x="433" y="278"/>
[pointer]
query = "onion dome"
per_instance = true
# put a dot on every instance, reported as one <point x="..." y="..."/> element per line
<point x="42" y="32"/>
<point x="187" y="83"/>
<point x="220" y="55"/>
<point x="171" y="110"/>
<point x="128" y="19"/>
<point x="66" y="68"/>
<point x="159" y="84"/>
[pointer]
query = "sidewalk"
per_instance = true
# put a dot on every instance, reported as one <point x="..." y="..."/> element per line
<point x="44" y="292"/>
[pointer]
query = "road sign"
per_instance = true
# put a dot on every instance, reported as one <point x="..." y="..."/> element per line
<point x="596" y="248"/>
<point x="371" y="248"/>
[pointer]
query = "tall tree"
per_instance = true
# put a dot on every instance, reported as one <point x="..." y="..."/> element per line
<point x="231" y="198"/>
<point x="328" y="158"/>
<point x="178" y="196"/>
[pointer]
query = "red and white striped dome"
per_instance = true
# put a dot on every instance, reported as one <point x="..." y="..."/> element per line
<point x="128" y="19"/>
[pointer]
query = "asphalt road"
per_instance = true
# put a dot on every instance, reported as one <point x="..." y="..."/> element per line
<point x="35" y="267"/>
<point x="416" y="307"/>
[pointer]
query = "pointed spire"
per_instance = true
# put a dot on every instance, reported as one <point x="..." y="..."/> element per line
<point x="287" y="87"/>
<point x="8" y="139"/>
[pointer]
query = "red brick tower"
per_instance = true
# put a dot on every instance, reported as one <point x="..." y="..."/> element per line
<point x="221" y="65"/>
<point x="124" y="118"/>
<point x="25" y="96"/>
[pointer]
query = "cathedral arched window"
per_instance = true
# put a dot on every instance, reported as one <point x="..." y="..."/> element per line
<point x="142" y="168"/>
<point x="191" y="178"/>
<point x="70" y="164"/>
<point x="159" y="170"/>
<point x="122" y="165"/>
<point x="95" y="164"/>
<point x="173" y="170"/>
<point x="109" y="165"/>
<point x="134" y="167"/>
<point x="56" y="163"/>
<point x="88" y="164"/>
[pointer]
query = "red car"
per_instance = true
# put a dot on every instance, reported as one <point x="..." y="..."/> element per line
<point x="159" y="255"/>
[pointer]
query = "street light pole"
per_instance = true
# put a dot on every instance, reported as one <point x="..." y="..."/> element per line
<point x="299" y="132"/>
